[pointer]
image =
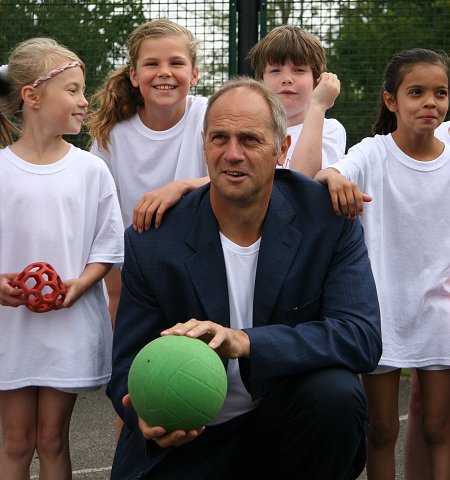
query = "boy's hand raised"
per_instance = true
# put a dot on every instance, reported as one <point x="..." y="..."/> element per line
<point x="307" y="154"/>
<point x="327" y="90"/>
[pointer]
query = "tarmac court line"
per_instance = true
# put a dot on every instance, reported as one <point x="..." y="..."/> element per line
<point x="85" y="471"/>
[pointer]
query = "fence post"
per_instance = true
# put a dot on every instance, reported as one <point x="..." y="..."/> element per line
<point x="262" y="19"/>
<point x="232" y="60"/>
<point x="243" y="18"/>
<point x="247" y="33"/>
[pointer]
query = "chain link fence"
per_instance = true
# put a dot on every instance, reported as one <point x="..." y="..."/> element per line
<point x="359" y="37"/>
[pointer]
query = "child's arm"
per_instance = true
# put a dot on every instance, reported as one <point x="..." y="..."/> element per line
<point x="76" y="287"/>
<point x="346" y="196"/>
<point x="158" y="201"/>
<point x="307" y="154"/>
<point x="9" y="295"/>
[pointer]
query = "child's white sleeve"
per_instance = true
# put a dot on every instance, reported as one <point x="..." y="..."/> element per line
<point x="354" y="165"/>
<point x="108" y="244"/>
<point x="334" y="141"/>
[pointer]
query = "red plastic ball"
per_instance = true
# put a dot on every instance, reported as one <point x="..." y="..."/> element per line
<point x="43" y="289"/>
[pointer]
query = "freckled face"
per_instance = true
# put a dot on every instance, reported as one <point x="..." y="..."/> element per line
<point x="164" y="72"/>
<point x="240" y="147"/>
<point x="421" y="101"/>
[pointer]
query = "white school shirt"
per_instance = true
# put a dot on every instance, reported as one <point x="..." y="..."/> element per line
<point x="407" y="231"/>
<point x="443" y="132"/>
<point x="66" y="214"/>
<point x="240" y="265"/>
<point x="334" y="139"/>
<point x="142" y="160"/>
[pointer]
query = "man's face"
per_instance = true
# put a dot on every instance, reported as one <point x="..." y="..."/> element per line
<point x="239" y="148"/>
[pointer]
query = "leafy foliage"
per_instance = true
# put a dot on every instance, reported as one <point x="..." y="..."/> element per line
<point x="360" y="37"/>
<point x="96" y="32"/>
<point x="369" y="33"/>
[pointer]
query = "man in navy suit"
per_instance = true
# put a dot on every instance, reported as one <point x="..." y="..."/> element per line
<point x="257" y="265"/>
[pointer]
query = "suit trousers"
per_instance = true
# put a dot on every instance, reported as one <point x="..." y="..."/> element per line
<point x="310" y="427"/>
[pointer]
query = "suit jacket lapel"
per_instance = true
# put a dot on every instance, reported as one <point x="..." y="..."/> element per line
<point x="279" y="245"/>
<point x="206" y="266"/>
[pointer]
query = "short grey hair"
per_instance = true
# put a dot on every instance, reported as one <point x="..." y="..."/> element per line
<point x="278" y="113"/>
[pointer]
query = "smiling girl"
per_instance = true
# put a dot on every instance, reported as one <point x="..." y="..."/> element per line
<point x="147" y="127"/>
<point x="406" y="169"/>
<point x="58" y="204"/>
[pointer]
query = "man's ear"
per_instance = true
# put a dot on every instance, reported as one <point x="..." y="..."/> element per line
<point x="30" y="97"/>
<point x="390" y="101"/>
<point x="204" y="150"/>
<point x="284" y="148"/>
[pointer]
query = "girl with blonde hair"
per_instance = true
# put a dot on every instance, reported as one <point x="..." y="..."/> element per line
<point x="58" y="205"/>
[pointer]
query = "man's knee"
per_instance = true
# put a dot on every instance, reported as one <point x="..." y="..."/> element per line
<point x="317" y="423"/>
<point x="326" y="400"/>
<point x="331" y="395"/>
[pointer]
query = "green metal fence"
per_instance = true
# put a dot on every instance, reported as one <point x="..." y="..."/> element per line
<point x="359" y="36"/>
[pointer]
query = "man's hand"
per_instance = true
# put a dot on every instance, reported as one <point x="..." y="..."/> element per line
<point x="227" y="342"/>
<point x="159" y="435"/>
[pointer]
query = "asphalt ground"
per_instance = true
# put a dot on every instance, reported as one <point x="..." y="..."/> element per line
<point x="93" y="427"/>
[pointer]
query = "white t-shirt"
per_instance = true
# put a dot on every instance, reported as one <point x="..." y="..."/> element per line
<point x="240" y="265"/>
<point x="66" y="214"/>
<point x="142" y="160"/>
<point x="407" y="232"/>
<point x="443" y="132"/>
<point x="334" y="138"/>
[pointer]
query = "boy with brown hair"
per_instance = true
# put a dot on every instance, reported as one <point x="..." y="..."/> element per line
<point x="292" y="63"/>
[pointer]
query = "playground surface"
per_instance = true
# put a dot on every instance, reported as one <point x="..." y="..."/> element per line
<point x="92" y="436"/>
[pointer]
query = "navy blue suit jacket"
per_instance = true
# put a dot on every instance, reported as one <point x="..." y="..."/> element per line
<point x="315" y="303"/>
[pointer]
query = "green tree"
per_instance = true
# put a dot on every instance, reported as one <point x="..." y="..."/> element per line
<point x="294" y="12"/>
<point x="212" y="29"/>
<point x="96" y="32"/>
<point x="368" y="34"/>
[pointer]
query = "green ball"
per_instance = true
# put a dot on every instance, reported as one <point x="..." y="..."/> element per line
<point x="177" y="382"/>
